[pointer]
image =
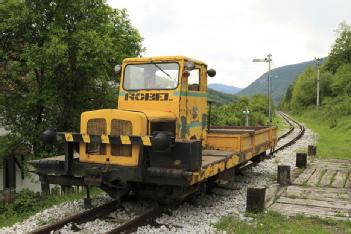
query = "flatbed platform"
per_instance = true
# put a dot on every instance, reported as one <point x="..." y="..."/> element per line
<point x="225" y="148"/>
<point x="60" y="157"/>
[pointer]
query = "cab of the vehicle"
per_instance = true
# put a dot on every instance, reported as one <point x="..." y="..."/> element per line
<point x="170" y="91"/>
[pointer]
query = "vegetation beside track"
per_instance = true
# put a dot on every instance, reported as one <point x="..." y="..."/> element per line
<point x="232" y="114"/>
<point x="282" y="125"/>
<point x="272" y="222"/>
<point x="28" y="203"/>
<point x="332" y="122"/>
<point x="331" y="142"/>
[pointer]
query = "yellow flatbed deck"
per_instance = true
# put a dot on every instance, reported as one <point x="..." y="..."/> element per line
<point x="60" y="157"/>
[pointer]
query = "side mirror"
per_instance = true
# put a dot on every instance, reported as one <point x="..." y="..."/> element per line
<point x="118" y="68"/>
<point x="211" y="72"/>
<point x="49" y="136"/>
<point x="189" y="65"/>
<point x="186" y="73"/>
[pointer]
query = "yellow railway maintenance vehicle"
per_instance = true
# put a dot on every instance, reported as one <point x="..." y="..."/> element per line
<point x="158" y="142"/>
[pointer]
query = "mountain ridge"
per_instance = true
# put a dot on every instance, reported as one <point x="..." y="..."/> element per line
<point x="220" y="98"/>
<point x="282" y="77"/>
<point x="223" y="88"/>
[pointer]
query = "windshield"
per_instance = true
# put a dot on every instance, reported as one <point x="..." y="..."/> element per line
<point x="151" y="76"/>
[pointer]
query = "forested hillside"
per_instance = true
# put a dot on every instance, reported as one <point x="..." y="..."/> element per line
<point x="224" y="88"/>
<point x="335" y="82"/>
<point x="282" y="77"/>
<point x="220" y="98"/>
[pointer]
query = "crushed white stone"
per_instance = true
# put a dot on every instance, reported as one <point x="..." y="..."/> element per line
<point x="52" y="214"/>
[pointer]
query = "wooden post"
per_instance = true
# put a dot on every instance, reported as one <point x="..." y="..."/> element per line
<point x="45" y="189"/>
<point x="66" y="189"/>
<point x="69" y="151"/>
<point x="9" y="179"/>
<point x="301" y="160"/>
<point x="312" y="150"/>
<point x="284" y="175"/>
<point x="255" y="199"/>
<point x="87" y="200"/>
<point x="4" y="173"/>
<point x="9" y="172"/>
<point x="9" y="195"/>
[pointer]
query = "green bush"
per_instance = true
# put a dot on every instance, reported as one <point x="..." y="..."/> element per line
<point x="232" y="114"/>
<point x="26" y="201"/>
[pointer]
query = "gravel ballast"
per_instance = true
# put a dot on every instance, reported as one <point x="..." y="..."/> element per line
<point x="57" y="212"/>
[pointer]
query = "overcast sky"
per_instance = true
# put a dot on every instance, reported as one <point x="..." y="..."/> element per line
<point x="227" y="35"/>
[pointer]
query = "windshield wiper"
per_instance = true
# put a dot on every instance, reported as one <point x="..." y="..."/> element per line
<point x="159" y="68"/>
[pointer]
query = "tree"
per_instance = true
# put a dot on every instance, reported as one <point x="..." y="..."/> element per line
<point x="304" y="91"/>
<point x="56" y="61"/>
<point x="341" y="50"/>
<point x="285" y="103"/>
<point x="232" y="114"/>
<point x="342" y="81"/>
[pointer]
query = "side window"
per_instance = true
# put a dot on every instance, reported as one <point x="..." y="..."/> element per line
<point x="194" y="80"/>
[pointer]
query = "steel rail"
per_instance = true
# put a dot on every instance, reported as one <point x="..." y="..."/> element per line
<point x="83" y="217"/>
<point x="297" y="137"/>
<point x="291" y="127"/>
<point x="141" y="220"/>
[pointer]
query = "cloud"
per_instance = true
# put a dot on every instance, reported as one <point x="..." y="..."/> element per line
<point x="227" y="35"/>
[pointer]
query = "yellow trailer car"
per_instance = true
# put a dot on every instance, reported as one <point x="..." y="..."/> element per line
<point x="157" y="142"/>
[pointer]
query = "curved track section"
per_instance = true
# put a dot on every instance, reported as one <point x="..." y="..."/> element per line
<point x="291" y="126"/>
<point x="291" y="122"/>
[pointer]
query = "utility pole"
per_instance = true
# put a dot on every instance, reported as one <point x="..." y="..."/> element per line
<point x="268" y="60"/>
<point x="246" y="113"/>
<point x="318" y="80"/>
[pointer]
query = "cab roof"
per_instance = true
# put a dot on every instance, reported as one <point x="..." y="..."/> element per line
<point x="161" y="59"/>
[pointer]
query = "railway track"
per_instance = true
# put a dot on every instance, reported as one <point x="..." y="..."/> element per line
<point x="149" y="215"/>
<point x="291" y="126"/>
<point x="102" y="212"/>
<point x="301" y="132"/>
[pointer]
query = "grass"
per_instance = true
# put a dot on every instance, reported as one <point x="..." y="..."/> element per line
<point x="28" y="203"/>
<point x="333" y="142"/>
<point x="281" y="124"/>
<point x="301" y="150"/>
<point x="272" y="222"/>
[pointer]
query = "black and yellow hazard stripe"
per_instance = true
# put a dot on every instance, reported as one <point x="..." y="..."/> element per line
<point x="105" y="139"/>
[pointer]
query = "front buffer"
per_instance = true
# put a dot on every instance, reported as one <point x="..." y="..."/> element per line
<point x="165" y="166"/>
